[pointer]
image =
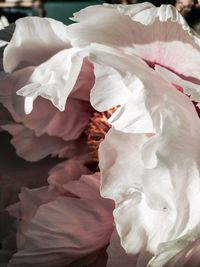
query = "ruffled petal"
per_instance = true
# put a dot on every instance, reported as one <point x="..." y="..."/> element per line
<point x="54" y="79"/>
<point x="45" y="118"/>
<point x="132" y="83"/>
<point x="89" y="30"/>
<point x="34" y="41"/>
<point x="157" y="35"/>
<point x="84" y="226"/>
<point x="183" y="252"/>
<point x="156" y="188"/>
<point x="31" y="147"/>
<point x="189" y="88"/>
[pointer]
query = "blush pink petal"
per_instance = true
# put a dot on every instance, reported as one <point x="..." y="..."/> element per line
<point x="67" y="228"/>
<point x="66" y="171"/>
<point x="85" y="82"/>
<point x="33" y="148"/>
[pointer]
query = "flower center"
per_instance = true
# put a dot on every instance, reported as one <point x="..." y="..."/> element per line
<point x="96" y="131"/>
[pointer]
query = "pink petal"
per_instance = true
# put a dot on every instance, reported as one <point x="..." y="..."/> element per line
<point x="85" y="82"/>
<point x="30" y="201"/>
<point x="33" y="148"/>
<point x="66" y="171"/>
<point x="67" y="228"/>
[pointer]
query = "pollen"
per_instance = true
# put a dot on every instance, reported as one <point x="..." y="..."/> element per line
<point x="96" y="131"/>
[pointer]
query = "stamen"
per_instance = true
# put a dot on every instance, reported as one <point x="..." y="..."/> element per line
<point x="96" y="131"/>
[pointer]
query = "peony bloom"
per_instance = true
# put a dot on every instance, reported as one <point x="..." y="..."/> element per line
<point x="141" y="65"/>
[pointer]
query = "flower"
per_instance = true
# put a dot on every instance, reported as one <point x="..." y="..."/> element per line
<point x="145" y="61"/>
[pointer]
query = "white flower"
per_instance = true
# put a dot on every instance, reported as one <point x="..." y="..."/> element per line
<point x="147" y="63"/>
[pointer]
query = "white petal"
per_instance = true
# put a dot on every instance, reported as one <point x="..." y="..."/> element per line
<point x="183" y="251"/>
<point x="127" y="83"/>
<point x="157" y="35"/>
<point x="189" y="88"/>
<point x="156" y="195"/>
<point x="54" y="79"/>
<point x="107" y="84"/>
<point x="34" y="41"/>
